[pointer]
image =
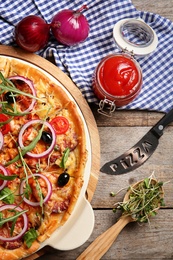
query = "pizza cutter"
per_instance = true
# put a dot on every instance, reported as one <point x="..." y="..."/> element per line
<point x="141" y="151"/>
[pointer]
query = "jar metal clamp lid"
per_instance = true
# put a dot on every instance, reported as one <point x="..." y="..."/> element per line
<point x="134" y="37"/>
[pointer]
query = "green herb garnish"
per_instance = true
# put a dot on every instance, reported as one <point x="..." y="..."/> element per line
<point x="5" y="122"/>
<point x="12" y="218"/>
<point x="7" y="177"/>
<point x="11" y="111"/>
<point x="64" y="158"/>
<point x="28" y="190"/>
<point x="6" y="85"/>
<point x="7" y="196"/>
<point x="30" y="236"/>
<point x="13" y="226"/>
<point x="27" y="148"/>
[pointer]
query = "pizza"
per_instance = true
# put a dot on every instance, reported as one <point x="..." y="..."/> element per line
<point x="42" y="157"/>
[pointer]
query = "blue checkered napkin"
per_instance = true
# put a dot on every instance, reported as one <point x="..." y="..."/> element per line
<point x="80" y="61"/>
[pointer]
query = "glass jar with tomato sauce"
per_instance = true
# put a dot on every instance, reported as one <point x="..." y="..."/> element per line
<point x="117" y="79"/>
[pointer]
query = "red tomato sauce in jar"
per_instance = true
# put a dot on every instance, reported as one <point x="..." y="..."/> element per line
<point x="118" y="78"/>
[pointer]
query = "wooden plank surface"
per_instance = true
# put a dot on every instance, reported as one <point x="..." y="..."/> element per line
<point x="134" y="242"/>
<point x="124" y="129"/>
<point x="162" y="7"/>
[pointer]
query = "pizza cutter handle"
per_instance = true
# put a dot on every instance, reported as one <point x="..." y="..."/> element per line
<point x="163" y="122"/>
<point x="103" y="242"/>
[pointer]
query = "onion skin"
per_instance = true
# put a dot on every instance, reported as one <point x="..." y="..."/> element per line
<point x="70" y="27"/>
<point x="1" y="140"/>
<point x="2" y="168"/>
<point x="32" y="33"/>
<point x="31" y="85"/>
<point x="51" y="147"/>
<point x="49" y="188"/>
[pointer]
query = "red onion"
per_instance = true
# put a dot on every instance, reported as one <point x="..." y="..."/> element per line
<point x="25" y="222"/>
<point x="49" y="190"/>
<point x="1" y="140"/>
<point x="49" y="150"/>
<point x="70" y="27"/>
<point x="4" y="182"/>
<point x="32" y="33"/>
<point x="31" y="86"/>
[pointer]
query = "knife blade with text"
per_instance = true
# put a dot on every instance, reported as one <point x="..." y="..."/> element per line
<point x="141" y="151"/>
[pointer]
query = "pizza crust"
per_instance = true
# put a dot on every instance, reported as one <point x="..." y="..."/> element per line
<point x="19" y="253"/>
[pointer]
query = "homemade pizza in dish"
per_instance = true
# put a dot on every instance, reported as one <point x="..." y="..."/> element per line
<point x="42" y="157"/>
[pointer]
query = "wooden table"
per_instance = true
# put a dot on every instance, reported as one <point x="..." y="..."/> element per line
<point x="123" y="130"/>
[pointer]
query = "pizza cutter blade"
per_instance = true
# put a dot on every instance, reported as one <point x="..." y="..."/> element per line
<point x="141" y="151"/>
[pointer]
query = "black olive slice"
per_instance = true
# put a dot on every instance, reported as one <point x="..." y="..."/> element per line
<point x="46" y="137"/>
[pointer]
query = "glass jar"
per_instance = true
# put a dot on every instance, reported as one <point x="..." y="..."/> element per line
<point x="117" y="79"/>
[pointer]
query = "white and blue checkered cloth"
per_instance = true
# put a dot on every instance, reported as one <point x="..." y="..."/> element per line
<point x="79" y="61"/>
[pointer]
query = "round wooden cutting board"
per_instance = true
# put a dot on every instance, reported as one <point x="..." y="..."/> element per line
<point x="87" y="113"/>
